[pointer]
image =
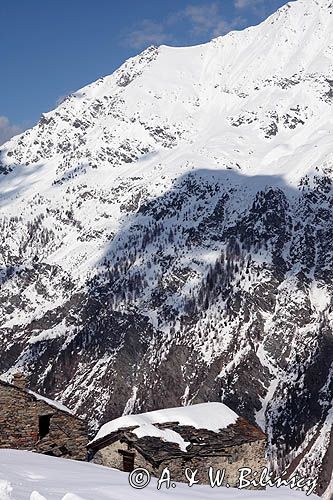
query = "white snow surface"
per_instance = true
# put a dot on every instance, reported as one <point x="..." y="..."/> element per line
<point x="28" y="476"/>
<point x="51" y="402"/>
<point x="210" y="416"/>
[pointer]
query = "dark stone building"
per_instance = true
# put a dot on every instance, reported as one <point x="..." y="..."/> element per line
<point x="176" y="439"/>
<point x="29" y="421"/>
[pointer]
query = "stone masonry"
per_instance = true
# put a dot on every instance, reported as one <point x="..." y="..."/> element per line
<point x="30" y="423"/>
<point x="240" y="445"/>
<point x="246" y="455"/>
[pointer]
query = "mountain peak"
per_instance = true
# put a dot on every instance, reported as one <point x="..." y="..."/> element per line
<point x="252" y="84"/>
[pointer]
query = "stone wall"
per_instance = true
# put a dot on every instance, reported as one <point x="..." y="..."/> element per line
<point x="246" y="455"/>
<point x="19" y="426"/>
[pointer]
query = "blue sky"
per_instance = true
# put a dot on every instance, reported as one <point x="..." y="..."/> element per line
<point x="50" y="48"/>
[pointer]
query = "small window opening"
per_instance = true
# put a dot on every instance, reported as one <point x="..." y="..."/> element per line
<point x="44" y="425"/>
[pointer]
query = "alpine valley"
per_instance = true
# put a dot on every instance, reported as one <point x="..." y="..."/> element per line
<point x="167" y="237"/>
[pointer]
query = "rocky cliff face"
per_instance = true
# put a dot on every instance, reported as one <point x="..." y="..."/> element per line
<point x="167" y="237"/>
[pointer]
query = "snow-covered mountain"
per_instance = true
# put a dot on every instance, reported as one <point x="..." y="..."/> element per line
<point x="167" y="236"/>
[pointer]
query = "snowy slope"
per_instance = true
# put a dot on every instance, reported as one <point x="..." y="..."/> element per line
<point x="28" y="476"/>
<point x="167" y="236"/>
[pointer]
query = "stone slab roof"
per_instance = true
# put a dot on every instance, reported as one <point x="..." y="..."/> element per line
<point x="200" y="442"/>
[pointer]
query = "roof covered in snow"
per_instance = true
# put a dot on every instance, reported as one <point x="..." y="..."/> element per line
<point x="50" y="402"/>
<point x="210" y="416"/>
<point x="200" y="429"/>
<point x="54" y="404"/>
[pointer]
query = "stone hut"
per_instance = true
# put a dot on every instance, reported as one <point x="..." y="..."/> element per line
<point x="197" y="437"/>
<point x="29" y="421"/>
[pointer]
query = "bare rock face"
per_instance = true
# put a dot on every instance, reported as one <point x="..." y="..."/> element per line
<point x="166" y="237"/>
